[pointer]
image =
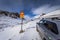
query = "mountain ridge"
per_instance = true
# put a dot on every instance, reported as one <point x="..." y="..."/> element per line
<point x="10" y="14"/>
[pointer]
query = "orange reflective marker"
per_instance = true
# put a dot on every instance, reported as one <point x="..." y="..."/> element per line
<point x="21" y="14"/>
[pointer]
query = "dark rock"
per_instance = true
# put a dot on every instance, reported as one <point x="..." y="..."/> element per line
<point x="10" y="14"/>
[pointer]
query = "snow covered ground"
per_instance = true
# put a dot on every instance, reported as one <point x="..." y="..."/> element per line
<point x="12" y="33"/>
<point x="6" y="21"/>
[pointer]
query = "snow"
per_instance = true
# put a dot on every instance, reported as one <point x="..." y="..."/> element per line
<point x="30" y="34"/>
<point x="11" y="28"/>
<point x="12" y="33"/>
<point x="6" y="21"/>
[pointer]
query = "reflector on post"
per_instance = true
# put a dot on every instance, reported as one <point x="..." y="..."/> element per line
<point x="22" y="14"/>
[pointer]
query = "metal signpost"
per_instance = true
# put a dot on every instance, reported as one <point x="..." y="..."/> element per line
<point x="22" y="17"/>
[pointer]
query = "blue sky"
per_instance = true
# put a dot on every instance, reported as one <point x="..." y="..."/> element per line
<point x="30" y="7"/>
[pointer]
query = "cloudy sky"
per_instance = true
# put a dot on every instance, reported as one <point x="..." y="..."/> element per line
<point x="30" y="7"/>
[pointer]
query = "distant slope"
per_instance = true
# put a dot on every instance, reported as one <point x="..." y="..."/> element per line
<point x="8" y="19"/>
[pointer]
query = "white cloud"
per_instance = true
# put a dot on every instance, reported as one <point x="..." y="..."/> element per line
<point x="40" y="10"/>
<point x="53" y="8"/>
<point x="44" y="9"/>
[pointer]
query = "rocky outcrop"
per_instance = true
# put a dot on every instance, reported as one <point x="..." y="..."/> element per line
<point x="10" y="14"/>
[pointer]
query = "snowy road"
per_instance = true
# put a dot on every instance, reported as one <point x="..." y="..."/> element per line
<point x="31" y="34"/>
<point x="12" y="33"/>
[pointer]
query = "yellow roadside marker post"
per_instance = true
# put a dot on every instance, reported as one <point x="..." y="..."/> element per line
<point x="22" y="17"/>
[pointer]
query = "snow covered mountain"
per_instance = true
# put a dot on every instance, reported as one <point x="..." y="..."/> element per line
<point x="10" y="28"/>
<point x="8" y="19"/>
<point x="12" y="33"/>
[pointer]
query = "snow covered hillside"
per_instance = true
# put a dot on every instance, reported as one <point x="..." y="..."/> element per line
<point x="10" y="28"/>
<point x="12" y="33"/>
<point x="6" y="21"/>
